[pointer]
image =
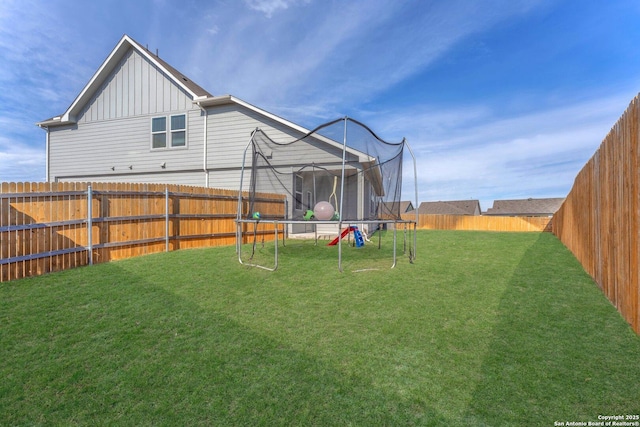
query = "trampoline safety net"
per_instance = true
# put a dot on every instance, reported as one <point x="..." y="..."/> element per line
<point x="342" y="163"/>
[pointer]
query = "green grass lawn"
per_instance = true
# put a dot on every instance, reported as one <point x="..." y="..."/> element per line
<point x="483" y="329"/>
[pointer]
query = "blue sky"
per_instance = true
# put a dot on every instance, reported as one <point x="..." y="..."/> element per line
<point x="498" y="99"/>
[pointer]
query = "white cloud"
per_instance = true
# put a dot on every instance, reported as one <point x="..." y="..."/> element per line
<point x="39" y="77"/>
<point x="21" y="163"/>
<point x="269" y="7"/>
<point x="474" y="154"/>
<point x="314" y="61"/>
<point x="38" y="68"/>
<point x="330" y="55"/>
<point x="268" y="61"/>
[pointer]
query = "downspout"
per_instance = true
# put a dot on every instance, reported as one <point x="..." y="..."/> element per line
<point x="205" y="142"/>
<point x="47" y="156"/>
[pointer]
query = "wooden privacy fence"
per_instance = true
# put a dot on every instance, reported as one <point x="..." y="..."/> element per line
<point x="599" y="220"/>
<point x="481" y="223"/>
<point x="56" y="226"/>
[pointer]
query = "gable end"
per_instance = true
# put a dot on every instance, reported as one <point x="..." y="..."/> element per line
<point x="135" y="87"/>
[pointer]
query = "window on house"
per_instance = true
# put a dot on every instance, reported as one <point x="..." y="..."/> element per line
<point x="159" y="132"/>
<point x="178" y="131"/>
<point x="174" y="136"/>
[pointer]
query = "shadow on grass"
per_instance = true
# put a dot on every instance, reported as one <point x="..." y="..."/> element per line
<point x="560" y="351"/>
<point x="123" y="350"/>
<point x="376" y="254"/>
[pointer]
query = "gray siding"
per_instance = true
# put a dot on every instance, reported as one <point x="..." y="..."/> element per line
<point x="229" y="132"/>
<point x="195" y="178"/>
<point x="229" y="179"/>
<point x="111" y="140"/>
<point x="93" y="148"/>
<point x="136" y="87"/>
<point x="112" y="137"/>
<point x="89" y="150"/>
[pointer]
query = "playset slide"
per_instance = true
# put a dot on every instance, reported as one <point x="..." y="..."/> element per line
<point x="357" y="235"/>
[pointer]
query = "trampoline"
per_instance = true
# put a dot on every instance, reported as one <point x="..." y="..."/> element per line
<point x="338" y="177"/>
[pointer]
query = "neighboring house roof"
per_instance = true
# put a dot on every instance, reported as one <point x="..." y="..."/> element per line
<point x="526" y="207"/>
<point x="405" y="206"/>
<point x="453" y="207"/>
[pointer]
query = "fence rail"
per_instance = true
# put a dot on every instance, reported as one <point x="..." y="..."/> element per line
<point x="599" y="220"/>
<point x="55" y="226"/>
<point x="481" y="223"/>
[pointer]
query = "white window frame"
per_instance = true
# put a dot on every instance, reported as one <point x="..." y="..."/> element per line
<point x="173" y="131"/>
<point x="160" y="132"/>
<point x="169" y="132"/>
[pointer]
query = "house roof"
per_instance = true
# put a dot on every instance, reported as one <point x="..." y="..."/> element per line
<point x="211" y="101"/>
<point x="453" y="207"/>
<point x="200" y="96"/>
<point x="124" y="45"/>
<point x="191" y="86"/>
<point x="526" y="207"/>
<point x="230" y="99"/>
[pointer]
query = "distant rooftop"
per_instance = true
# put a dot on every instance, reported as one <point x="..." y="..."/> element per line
<point x="526" y="207"/>
<point x="452" y="207"/>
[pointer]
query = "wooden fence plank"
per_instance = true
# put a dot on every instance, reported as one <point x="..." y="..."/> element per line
<point x="50" y="231"/>
<point x="600" y="218"/>
<point x="481" y="223"/>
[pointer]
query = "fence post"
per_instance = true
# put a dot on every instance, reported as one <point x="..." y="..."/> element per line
<point x="166" y="218"/>
<point x="90" y="223"/>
